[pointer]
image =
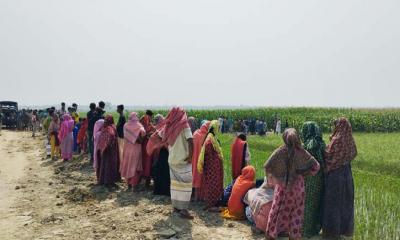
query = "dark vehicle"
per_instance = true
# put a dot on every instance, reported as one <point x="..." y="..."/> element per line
<point x="9" y="112"/>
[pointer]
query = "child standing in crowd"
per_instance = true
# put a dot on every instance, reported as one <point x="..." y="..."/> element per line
<point x="75" y="133"/>
<point x="53" y="136"/>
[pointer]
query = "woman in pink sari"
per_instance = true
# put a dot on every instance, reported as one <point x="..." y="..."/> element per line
<point x="131" y="163"/>
<point x="96" y="133"/>
<point x="66" y="137"/>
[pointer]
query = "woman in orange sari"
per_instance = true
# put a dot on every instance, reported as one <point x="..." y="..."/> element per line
<point x="243" y="183"/>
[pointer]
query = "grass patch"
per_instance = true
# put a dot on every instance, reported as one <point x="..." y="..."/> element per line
<point x="376" y="173"/>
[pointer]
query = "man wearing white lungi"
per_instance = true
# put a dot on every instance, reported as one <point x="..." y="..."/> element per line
<point x="178" y="136"/>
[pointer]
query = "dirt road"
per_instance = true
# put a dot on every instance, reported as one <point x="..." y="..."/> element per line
<point x="45" y="199"/>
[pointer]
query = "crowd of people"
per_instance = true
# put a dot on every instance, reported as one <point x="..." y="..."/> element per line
<point x="307" y="187"/>
<point x="251" y="126"/>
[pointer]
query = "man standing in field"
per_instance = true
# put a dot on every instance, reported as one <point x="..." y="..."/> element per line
<point x="120" y="130"/>
<point x="62" y="111"/>
<point x="90" y="116"/>
<point x="178" y="136"/>
<point x="74" y="113"/>
<point x="34" y="122"/>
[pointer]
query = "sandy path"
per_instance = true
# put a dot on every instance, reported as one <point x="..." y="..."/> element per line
<point x="16" y="149"/>
<point x="58" y="200"/>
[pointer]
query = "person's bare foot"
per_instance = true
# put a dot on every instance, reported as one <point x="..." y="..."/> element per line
<point x="185" y="214"/>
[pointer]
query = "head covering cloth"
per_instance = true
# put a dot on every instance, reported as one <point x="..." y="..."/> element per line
<point x="342" y="149"/>
<point x="289" y="160"/>
<point x="132" y="128"/>
<point x="212" y="136"/>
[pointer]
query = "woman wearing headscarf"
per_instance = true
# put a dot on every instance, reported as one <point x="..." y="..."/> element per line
<point x="96" y="136"/>
<point x="192" y="124"/>
<point x="108" y="154"/>
<point x="198" y="139"/>
<point x="147" y="160"/>
<point x="66" y="137"/>
<point x="210" y="165"/>
<point x="243" y="184"/>
<point x="177" y="135"/>
<point x="53" y="135"/>
<point x="131" y="163"/>
<point x="82" y="137"/>
<point x="338" y="205"/>
<point x="159" y="121"/>
<point x="315" y="145"/>
<point x="287" y="165"/>
<point x="259" y="201"/>
<point x="159" y="152"/>
<point x="240" y="155"/>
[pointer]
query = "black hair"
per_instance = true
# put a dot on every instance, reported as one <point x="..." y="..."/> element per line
<point x="75" y="105"/>
<point x="102" y="104"/>
<point x="92" y="106"/>
<point x="120" y="107"/>
<point x="53" y="108"/>
<point x="149" y="112"/>
<point x="100" y="110"/>
<point x="63" y="104"/>
<point x="242" y="136"/>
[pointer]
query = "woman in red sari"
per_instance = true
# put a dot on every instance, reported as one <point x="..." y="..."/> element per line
<point x="82" y="137"/>
<point x="240" y="155"/>
<point x="147" y="160"/>
<point x="210" y="164"/>
<point x="198" y="139"/>
<point x="108" y="154"/>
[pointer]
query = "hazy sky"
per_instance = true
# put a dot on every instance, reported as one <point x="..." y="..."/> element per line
<point x="206" y="52"/>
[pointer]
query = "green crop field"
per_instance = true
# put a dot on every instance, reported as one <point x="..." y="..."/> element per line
<point x="376" y="173"/>
<point x="362" y="120"/>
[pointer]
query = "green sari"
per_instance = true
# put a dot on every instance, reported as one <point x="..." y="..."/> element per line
<point x="315" y="145"/>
